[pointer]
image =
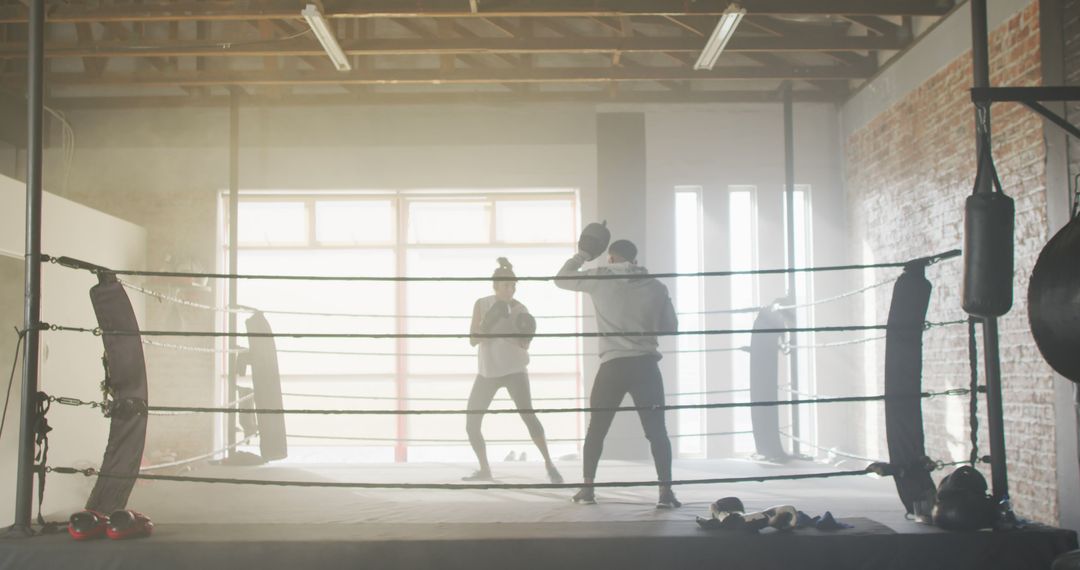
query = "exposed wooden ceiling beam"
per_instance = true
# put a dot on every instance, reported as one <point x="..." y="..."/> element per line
<point x="280" y="9"/>
<point x="459" y="76"/>
<point x="318" y="61"/>
<point x="687" y="26"/>
<point x="880" y="26"/>
<point x="307" y="47"/>
<point x="591" y="97"/>
<point x="445" y="27"/>
<point x="833" y="87"/>
<point x="85" y="33"/>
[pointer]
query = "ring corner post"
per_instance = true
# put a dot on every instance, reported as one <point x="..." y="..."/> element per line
<point x="24" y="491"/>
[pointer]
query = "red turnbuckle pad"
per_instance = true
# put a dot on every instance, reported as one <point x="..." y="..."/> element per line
<point x="128" y="524"/>
<point x="87" y="525"/>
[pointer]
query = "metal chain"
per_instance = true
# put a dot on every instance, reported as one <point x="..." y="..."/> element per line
<point x="973" y="405"/>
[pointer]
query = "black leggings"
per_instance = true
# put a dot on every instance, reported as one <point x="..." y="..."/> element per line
<point x="640" y="377"/>
<point x="483" y="391"/>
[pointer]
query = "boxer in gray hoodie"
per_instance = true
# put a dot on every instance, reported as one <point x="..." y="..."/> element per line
<point x="628" y="364"/>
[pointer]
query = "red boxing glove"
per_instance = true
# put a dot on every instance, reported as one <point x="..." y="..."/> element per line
<point x="128" y="524"/>
<point x="87" y="525"/>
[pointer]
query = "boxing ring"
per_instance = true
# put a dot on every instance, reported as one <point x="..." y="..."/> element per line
<point x="276" y="514"/>
<point x="272" y="514"/>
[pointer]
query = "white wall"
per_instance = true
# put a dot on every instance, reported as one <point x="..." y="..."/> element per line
<point x="162" y="168"/>
<point x="717" y="146"/>
<point x="70" y="362"/>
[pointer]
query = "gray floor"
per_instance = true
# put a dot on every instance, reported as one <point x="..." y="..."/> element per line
<point x="214" y="525"/>
<point x="184" y="502"/>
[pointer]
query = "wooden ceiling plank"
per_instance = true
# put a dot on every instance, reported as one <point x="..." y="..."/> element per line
<point x="305" y="46"/>
<point x="825" y="85"/>
<point x="390" y="99"/>
<point x="188" y="10"/>
<point x="271" y="63"/>
<point x="504" y="27"/>
<point x="487" y="75"/>
<point x="686" y="26"/>
<point x="878" y="25"/>
<point x="318" y="62"/>
<point x="470" y="60"/>
<point x="93" y="66"/>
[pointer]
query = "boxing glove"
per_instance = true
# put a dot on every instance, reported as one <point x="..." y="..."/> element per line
<point x="526" y="324"/>
<point x="498" y="311"/>
<point x="724" y="507"/>
<point x="783" y="517"/>
<point x="87" y="525"/>
<point x="128" y="524"/>
<point x="594" y="240"/>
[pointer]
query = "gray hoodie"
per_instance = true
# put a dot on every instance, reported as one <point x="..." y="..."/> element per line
<point x="640" y="304"/>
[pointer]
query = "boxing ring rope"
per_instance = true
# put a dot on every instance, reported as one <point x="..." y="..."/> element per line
<point x="247" y="310"/>
<point x="98" y="331"/>
<point x="73" y="263"/>
<point x="69" y="401"/>
<point x="874" y="468"/>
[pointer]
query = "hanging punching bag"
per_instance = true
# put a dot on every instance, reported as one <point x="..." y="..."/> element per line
<point x="988" y="242"/>
<point x="1054" y="301"/>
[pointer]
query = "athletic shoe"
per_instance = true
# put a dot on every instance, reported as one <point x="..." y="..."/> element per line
<point x="667" y="500"/>
<point x="553" y="475"/>
<point x="585" y="496"/>
<point x="479" y="475"/>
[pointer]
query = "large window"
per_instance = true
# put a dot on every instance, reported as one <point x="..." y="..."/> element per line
<point x="411" y="234"/>
<point x="804" y="315"/>
<point x="742" y="244"/>
<point x="689" y="295"/>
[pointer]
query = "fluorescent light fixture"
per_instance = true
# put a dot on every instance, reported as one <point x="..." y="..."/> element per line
<point x="721" y="35"/>
<point x="322" y="31"/>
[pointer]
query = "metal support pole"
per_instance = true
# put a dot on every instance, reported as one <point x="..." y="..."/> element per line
<point x="995" y="415"/>
<point x="234" y="262"/>
<point x="996" y="418"/>
<point x="24" y="493"/>
<point x="789" y="219"/>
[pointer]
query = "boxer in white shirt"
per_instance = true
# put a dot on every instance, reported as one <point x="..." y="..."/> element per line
<point x="502" y="364"/>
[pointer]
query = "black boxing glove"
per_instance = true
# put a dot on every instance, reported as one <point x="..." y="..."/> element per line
<point x="526" y="324"/>
<point x="594" y="240"/>
<point x="498" y="311"/>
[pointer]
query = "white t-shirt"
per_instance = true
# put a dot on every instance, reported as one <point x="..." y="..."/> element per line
<point x="500" y="356"/>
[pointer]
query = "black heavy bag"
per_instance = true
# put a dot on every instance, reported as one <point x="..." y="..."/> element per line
<point x="126" y="382"/>
<point x="1054" y="301"/>
<point x="988" y="243"/>
<point x="764" y="384"/>
<point x="266" y="378"/>
<point x="903" y="386"/>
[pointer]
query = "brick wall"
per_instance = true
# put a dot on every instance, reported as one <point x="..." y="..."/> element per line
<point x="908" y="173"/>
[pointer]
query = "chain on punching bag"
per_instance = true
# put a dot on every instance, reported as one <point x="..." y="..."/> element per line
<point x="988" y="239"/>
